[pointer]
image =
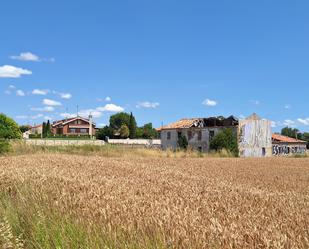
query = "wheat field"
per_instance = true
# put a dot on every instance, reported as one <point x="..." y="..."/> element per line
<point x="69" y="201"/>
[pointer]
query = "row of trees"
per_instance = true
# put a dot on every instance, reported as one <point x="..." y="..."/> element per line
<point x="295" y="133"/>
<point x="123" y="125"/>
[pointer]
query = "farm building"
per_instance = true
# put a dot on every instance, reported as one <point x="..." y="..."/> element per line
<point x="284" y="146"/>
<point x="254" y="134"/>
<point x="198" y="131"/>
<point x="74" y="127"/>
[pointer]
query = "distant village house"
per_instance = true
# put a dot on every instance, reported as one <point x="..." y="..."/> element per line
<point x="76" y="126"/>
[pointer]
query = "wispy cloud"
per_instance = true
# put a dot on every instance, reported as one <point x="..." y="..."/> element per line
<point x="26" y="56"/>
<point x="8" y="71"/>
<point x="51" y="102"/>
<point x="148" y="105"/>
<point x="303" y="121"/>
<point x="39" y="91"/>
<point x="287" y="107"/>
<point x="63" y="95"/>
<point x="43" y="109"/>
<point x="20" y="93"/>
<point x="209" y="102"/>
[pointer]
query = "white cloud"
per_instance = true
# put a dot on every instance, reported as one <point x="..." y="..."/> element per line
<point x="26" y="56"/>
<point x="110" y="108"/>
<point x="51" y="102"/>
<point x="8" y="71"/>
<point x="65" y="95"/>
<point x="12" y="87"/>
<point x="287" y="107"/>
<point x="20" y="93"/>
<point x="108" y="99"/>
<point x="147" y="104"/>
<point x="87" y="112"/>
<point x="289" y="122"/>
<point x="40" y="91"/>
<point x="303" y="121"/>
<point x="209" y="102"/>
<point x="43" y="109"/>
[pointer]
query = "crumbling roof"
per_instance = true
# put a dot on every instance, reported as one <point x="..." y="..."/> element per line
<point x="201" y="122"/>
<point x="180" y="124"/>
<point x="284" y="139"/>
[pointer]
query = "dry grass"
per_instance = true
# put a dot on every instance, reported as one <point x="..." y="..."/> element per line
<point x="153" y="202"/>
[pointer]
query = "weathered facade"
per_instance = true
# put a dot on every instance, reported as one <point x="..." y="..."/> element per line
<point x="254" y="137"/>
<point x="73" y="127"/>
<point x="285" y="146"/>
<point x="198" y="131"/>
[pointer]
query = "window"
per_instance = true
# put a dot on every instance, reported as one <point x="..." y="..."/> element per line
<point x="83" y="131"/>
<point x="189" y="135"/>
<point x="211" y="135"/>
<point x="72" y="130"/>
<point x="168" y="135"/>
<point x="199" y="135"/>
<point x="179" y="134"/>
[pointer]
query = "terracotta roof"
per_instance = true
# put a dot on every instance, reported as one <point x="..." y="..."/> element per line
<point x="285" y="139"/>
<point x="180" y="124"/>
<point x="68" y="120"/>
<point x="36" y="126"/>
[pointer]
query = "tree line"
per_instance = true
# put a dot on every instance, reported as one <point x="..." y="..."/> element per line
<point x="295" y="133"/>
<point x="123" y="125"/>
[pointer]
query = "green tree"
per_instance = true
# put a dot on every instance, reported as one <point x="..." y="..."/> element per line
<point x="117" y="120"/>
<point x="24" y="128"/>
<point x="290" y="132"/>
<point x="124" y="131"/>
<point x="48" y="129"/>
<point x="149" y="132"/>
<point x="132" y="126"/>
<point x="44" y="131"/>
<point x="104" y="132"/>
<point x="225" y="139"/>
<point x="182" y="142"/>
<point x="9" y="128"/>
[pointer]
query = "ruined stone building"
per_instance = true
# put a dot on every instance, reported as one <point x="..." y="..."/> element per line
<point x="253" y="133"/>
<point x="198" y="131"/>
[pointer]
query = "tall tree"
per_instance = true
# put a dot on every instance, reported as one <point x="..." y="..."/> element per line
<point x="132" y="126"/>
<point x="290" y="132"/>
<point x="48" y="129"/>
<point x="124" y="131"/>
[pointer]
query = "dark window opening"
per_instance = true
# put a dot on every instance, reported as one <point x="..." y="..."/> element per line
<point x="263" y="151"/>
<point x="168" y="135"/>
<point x="211" y="135"/>
<point x="199" y="135"/>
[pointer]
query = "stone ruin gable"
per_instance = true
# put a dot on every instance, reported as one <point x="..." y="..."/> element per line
<point x="254" y="137"/>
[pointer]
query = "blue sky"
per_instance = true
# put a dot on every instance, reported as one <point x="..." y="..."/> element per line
<point x="162" y="60"/>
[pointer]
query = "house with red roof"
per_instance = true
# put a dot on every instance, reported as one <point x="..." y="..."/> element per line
<point x="76" y="126"/>
<point x="284" y="146"/>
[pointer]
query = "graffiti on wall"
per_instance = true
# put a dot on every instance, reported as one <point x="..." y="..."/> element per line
<point x="284" y="150"/>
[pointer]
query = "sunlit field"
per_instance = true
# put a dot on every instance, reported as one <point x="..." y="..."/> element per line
<point x="57" y="200"/>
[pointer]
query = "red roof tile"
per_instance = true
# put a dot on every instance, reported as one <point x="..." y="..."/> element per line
<point x="285" y="139"/>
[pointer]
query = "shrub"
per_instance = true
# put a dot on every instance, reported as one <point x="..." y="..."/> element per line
<point x="8" y="128"/>
<point x="182" y="142"/>
<point x="4" y="147"/>
<point x="226" y="139"/>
